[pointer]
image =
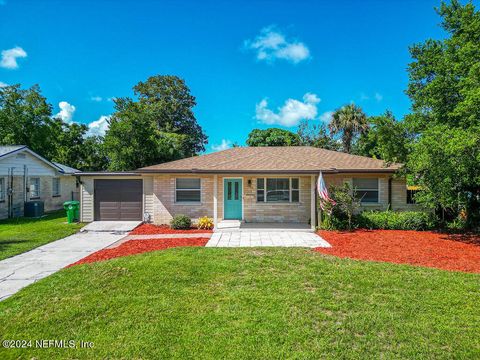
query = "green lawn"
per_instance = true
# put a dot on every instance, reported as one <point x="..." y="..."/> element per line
<point x="204" y="303"/>
<point x="23" y="234"/>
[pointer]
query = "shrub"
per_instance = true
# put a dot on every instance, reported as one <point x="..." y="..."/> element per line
<point x="391" y="220"/>
<point x="341" y="215"/>
<point x="205" y="223"/>
<point x="181" y="222"/>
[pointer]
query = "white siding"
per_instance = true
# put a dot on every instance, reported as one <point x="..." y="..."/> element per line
<point x="148" y="200"/>
<point x="35" y="166"/>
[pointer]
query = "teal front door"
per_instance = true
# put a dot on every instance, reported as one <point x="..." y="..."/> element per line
<point x="232" y="199"/>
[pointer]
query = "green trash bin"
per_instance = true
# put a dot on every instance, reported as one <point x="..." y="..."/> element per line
<point x="73" y="210"/>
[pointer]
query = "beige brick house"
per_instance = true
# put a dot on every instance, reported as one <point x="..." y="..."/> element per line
<point x="251" y="184"/>
<point x="26" y="176"/>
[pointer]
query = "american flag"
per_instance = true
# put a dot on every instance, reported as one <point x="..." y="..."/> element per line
<point x="323" y="192"/>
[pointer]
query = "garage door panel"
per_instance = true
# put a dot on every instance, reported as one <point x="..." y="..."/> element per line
<point x="118" y="199"/>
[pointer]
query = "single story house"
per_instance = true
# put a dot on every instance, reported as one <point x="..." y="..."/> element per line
<point x="25" y="176"/>
<point x="252" y="184"/>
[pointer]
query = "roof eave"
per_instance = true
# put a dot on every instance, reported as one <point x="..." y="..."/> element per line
<point x="207" y="171"/>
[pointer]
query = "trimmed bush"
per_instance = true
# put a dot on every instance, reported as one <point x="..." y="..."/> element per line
<point x="205" y="223"/>
<point x="392" y="220"/>
<point x="181" y="222"/>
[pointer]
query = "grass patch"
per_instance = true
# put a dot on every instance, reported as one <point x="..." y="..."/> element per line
<point x="23" y="234"/>
<point x="260" y="303"/>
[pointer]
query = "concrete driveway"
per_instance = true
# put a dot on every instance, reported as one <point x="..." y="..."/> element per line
<point x="24" y="269"/>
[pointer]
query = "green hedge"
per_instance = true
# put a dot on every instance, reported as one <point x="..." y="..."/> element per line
<point x="391" y="220"/>
<point x="181" y="222"/>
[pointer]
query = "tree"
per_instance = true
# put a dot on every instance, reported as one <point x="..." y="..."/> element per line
<point x="444" y="77"/>
<point x="349" y="122"/>
<point x="25" y="119"/>
<point x="134" y="140"/>
<point x="159" y="127"/>
<point x="272" y="137"/>
<point x="386" y="139"/>
<point x="94" y="155"/>
<point x="340" y="215"/>
<point x="316" y="135"/>
<point x="446" y="161"/>
<point x="444" y="86"/>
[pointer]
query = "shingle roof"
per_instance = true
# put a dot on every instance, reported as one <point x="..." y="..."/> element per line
<point x="299" y="159"/>
<point x="7" y="149"/>
<point x="66" y="169"/>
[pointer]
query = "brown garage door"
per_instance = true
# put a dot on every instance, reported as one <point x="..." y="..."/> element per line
<point x="118" y="199"/>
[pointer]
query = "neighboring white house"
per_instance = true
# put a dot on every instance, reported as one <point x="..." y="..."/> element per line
<point x="25" y="176"/>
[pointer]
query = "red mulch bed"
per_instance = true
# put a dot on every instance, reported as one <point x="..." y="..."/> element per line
<point x="423" y="248"/>
<point x="149" y="229"/>
<point x="140" y="246"/>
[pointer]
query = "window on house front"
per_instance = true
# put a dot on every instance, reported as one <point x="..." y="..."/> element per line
<point x="366" y="190"/>
<point x="2" y="189"/>
<point x="56" y="187"/>
<point x="411" y="196"/>
<point x="34" y="188"/>
<point x="278" y="190"/>
<point x="187" y="190"/>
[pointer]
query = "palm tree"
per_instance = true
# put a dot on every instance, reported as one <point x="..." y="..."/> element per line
<point x="349" y="121"/>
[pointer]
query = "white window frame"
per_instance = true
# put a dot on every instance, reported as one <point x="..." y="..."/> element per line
<point x="188" y="202"/>
<point x="3" y="189"/>
<point x="289" y="190"/>
<point x="59" y="190"/>
<point x="360" y="189"/>
<point x="37" y="190"/>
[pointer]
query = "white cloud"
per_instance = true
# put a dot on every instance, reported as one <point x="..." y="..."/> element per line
<point x="272" y="44"/>
<point x="378" y="97"/>
<point x="96" y="98"/>
<point x="326" y="116"/>
<point x="2" y="84"/>
<point x="9" y="57"/>
<point x="66" y="111"/>
<point x="99" y="127"/>
<point x="223" y="146"/>
<point x="290" y="113"/>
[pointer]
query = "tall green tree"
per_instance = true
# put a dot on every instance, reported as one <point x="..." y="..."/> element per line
<point x="73" y="147"/>
<point x="349" y="122"/>
<point x="160" y="126"/>
<point x="444" y="76"/>
<point x="272" y="137"/>
<point x="317" y="135"/>
<point x="386" y="139"/>
<point x="25" y="119"/>
<point x="444" y="86"/>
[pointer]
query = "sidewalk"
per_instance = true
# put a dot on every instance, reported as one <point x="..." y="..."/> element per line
<point x="24" y="269"/>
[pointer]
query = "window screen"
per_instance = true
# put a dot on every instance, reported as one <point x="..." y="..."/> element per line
<point x="55" y="187"/>
<point x="188" y="190"/>
<point x="366" y="189"/>
<point x="2" y="189"/>
<point x="34" y="188"/>
<point x="278" y="189"/>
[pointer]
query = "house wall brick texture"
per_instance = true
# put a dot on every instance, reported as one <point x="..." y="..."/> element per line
<point x="51" y="203"/>
<point x="159" y="197"/>
<point x="164" y="206"/>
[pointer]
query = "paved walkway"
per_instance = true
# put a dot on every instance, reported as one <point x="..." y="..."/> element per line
<point x="266" y="238"/>
<point x="24" y="269"/>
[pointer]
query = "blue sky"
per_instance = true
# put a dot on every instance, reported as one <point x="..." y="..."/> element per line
<point x="250" y="64"/>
